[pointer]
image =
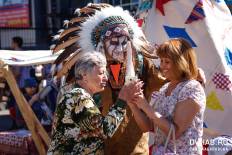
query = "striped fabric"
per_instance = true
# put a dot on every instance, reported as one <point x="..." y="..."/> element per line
<point x="196" y="14"/>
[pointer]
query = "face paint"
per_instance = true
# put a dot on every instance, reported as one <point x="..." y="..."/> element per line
<point x="116" y="47"/>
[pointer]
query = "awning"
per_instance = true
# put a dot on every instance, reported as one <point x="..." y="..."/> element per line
<point x="27" y="58"/>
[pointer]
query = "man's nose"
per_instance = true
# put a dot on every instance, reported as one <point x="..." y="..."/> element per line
<point x="119" y="47"/>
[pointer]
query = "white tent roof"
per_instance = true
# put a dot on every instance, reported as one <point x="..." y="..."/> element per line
<point x="27" y="58"/>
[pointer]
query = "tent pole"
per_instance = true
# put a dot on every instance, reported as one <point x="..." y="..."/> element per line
<point x="31" y="120"/>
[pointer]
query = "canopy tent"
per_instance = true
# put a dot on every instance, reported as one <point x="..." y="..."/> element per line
<point x="207" y="25"/>
<point x="26" y="58"/>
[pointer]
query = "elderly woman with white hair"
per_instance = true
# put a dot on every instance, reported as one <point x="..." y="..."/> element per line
<point x="79" y="127"/>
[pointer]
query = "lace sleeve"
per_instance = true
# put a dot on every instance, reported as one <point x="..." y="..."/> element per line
<point x="192" y="90"/>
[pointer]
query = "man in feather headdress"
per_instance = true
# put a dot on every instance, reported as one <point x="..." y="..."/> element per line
<point x="113" y="32"/>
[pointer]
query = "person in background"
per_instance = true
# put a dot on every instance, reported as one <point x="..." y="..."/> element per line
<point x="180" y="102"/>
<point x="48" y="86"/>
<point x="79" y="126"/>
<point x="20" y="72"/>
<point x="32" y="96"/>
<point x="16" y="43"/>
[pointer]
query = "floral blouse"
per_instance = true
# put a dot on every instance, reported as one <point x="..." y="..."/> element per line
<point x="190" y="142"/>
<point x="79" y="127"/>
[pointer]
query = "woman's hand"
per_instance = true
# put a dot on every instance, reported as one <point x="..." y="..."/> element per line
<point x="130" y="91"/>
<point x="139" y="100"/>
<point x="134" y="96"/>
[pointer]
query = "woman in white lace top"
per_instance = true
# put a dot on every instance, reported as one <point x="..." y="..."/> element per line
<point x="180" y="102"/>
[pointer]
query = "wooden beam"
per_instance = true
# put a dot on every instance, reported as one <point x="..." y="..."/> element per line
<point x="31" y="120"/>
<point x="1" y="66"/>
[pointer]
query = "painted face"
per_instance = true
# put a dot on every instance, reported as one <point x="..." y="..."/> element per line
<point x="116" y="47"/>
<point x="167" y="68"/>
<point x="97" y="79"/>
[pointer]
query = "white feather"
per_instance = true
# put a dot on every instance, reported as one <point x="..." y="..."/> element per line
<point x="100" y="48"/>
<point x="56" y="37"/>
<point x="77" y="11"/>
<point x="60" y="31"/>
<point x="66" y="22"/>
<point x="52" y="46"/>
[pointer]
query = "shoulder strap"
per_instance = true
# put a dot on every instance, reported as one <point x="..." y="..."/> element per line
<point x="171" y="131"/>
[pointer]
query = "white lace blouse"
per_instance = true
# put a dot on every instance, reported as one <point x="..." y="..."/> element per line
<point x="190" y="141"/>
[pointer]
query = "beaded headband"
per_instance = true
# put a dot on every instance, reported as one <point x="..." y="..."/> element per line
<point x="99" y="33"/>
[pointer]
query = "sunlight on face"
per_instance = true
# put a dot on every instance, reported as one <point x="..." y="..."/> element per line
<point x="167" y="68"/>
<point x="116" y="47"/>
<point x="97" y="79"/>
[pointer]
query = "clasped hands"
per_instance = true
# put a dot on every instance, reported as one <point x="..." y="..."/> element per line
<point x="132" y="93"/>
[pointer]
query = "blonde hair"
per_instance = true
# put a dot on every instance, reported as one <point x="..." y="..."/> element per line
<point x="183" y="57"/>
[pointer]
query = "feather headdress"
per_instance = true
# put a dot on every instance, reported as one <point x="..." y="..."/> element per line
<point x="86" y="31"/>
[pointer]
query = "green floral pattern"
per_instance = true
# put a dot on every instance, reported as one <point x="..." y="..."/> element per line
<point x="79" y="127"/>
